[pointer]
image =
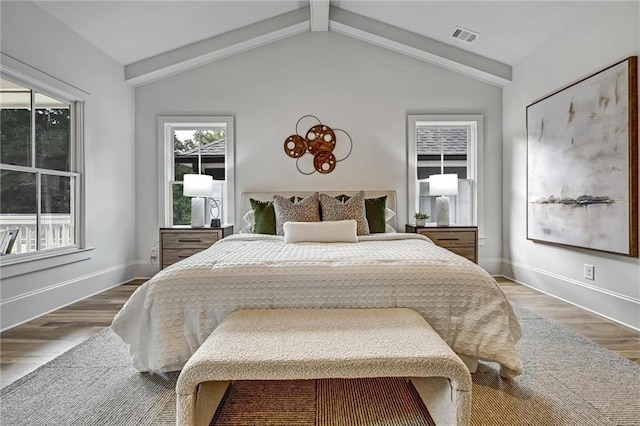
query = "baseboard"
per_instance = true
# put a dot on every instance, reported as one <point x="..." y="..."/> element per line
<point x="26" y="307"/>
<point x="144" y="268"/>
<point x="616" y="307"/>
<point x="492" y="265"/>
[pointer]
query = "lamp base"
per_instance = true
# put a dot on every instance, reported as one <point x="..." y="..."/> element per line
<point x="442" y="211"/>
<point x="197" y="212"/>
<point x="207" y="211"/>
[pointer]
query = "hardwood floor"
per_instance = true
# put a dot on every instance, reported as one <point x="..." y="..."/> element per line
<point x="30" y="345"/>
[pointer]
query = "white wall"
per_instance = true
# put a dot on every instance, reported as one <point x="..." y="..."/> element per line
<point x="606" y="35"/>
<point x="366" y="90"/>
<point x="33" y="37"/>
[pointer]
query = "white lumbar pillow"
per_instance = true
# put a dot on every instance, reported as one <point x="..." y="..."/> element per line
<point x="340" y="231"/>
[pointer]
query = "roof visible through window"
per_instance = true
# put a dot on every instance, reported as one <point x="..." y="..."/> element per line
<point x="436" y="140"/>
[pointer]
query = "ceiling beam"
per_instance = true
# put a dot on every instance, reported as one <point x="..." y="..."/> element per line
<point x="218" y="47"/>
<point x="319" y="15"/>
<point x="419" y="47"/>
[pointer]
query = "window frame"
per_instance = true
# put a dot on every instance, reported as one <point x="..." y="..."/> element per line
<point x="35" y="80"/>
<point x="475" y="159"/>
<point x="166" y="127"/>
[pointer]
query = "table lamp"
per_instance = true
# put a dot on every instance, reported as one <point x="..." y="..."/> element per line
<point x="199" y="187"/>
<point x="443" y="185"/>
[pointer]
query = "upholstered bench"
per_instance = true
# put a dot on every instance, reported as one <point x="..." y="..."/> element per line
<point x="281" y="344"/>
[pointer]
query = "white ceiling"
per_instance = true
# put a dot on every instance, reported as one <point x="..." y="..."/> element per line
<point x="509" y="30"/>
<point x="130" y="31"/>
<point x="167" y="31"/>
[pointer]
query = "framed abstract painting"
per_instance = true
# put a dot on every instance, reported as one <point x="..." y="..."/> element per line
<point x="582" y="163"/>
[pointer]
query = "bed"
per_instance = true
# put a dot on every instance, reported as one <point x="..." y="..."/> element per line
<point x="167" y="319"/>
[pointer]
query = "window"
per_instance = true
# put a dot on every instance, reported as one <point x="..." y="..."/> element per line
<point x="196" y="145"/>
<point x="444" y="144"/>
<point x="39" y="179"/>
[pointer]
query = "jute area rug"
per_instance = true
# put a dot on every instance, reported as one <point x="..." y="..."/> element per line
<point x="383" y="401"/>
<point x="568" y="380"/>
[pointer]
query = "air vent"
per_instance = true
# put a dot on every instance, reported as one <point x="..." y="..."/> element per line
<point x="467" y="36"/>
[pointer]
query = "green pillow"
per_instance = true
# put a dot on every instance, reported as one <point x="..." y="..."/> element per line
<point x="376" y="211"/>
<point x="376" y="214"/>
<point x="264" y="216"/>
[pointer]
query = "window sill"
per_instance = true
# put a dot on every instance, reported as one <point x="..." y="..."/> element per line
<point x="24" y="264"/>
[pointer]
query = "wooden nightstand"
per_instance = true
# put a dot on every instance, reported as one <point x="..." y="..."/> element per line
<point x="462" y="240"/>
<point x="178" y="243"/>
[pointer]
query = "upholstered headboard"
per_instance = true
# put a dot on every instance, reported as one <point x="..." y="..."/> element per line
<point x="245" y="205"/>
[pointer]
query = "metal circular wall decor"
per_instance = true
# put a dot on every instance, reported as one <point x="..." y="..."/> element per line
<point x="320" y="138"/>
<point x="295" y="146"/>
<point x="320" y="141"/>
<point x="324" y="162"/>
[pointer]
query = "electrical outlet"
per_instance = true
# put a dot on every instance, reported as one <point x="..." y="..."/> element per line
<point x="154" y="253"/>
<point x="589" y="271"/>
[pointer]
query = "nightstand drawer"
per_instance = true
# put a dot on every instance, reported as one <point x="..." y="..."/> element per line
<point x="181" y="242"/>
<point x="171" y="256"/>
<point x="468" y="252"/>
<point x="461" y="240"/>
<point x="186" y="240"/>
<point x="449" y="239"/>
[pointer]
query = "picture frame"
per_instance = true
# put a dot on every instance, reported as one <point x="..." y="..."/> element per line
<point x="582" y="163"/>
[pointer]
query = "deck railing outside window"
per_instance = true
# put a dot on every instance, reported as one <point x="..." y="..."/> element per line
<point x="56" y="231"/>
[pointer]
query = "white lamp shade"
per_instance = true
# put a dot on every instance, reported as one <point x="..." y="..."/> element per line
<point x="443" y="184"/>
<point x="197" y="186"/>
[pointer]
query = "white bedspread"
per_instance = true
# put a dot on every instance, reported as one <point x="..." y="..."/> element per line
<point x="166" y="319"/>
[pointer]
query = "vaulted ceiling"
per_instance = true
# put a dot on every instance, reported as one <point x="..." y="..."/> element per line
<point x="154" y="39"/>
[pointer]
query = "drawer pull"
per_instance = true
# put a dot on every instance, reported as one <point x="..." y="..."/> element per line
<point x="190" y="240"/>
<point x="448" y="239"/>
<point x="182" y="256"/>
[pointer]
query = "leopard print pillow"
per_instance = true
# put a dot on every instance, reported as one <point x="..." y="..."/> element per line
<point x="305" y="210"/>
<point x="353" y="208"/>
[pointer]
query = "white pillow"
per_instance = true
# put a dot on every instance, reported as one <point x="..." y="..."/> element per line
<point x="248" y="223"/>
<point x="388" y="214"/>
<point x="339" y="231"/>
<point x="248" y="217"/>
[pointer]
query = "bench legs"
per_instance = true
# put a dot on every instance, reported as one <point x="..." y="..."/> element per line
<point x="446" y="405"/>
<point x="198" y="409"/>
